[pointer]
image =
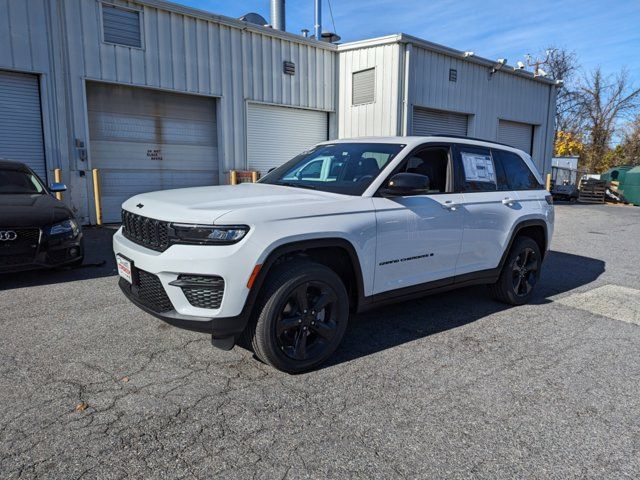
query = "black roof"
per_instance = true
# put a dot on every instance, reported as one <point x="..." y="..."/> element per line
<point x="11" y="164"/>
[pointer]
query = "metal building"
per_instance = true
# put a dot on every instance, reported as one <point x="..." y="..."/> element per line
<point x="157" y="95"/>
<point x="402" y="85"/>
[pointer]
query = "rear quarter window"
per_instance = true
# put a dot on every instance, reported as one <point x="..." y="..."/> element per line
<point x="514" y="172"/>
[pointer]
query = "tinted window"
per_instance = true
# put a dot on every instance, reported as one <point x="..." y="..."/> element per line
<point x="477" y="169"/>
<point x="517" y="174"/>
<point x="19" y="181"/>
<point x="347" y="168"/>
<point x="432" y="162"/>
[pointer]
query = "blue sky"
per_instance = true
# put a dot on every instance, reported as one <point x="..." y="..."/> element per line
<point x="605" y="33"/>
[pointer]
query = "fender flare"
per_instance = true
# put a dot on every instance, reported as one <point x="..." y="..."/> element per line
<point x="300" y="246"/>
<point x="535" y="222"/>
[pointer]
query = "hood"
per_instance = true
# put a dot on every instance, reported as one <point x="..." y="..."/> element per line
<point x="206" y="204"/>
<point x="31" y="210"/>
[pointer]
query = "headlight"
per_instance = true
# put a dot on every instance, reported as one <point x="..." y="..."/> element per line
<point x="204" y="234"/>
<point x="66" y="227"/>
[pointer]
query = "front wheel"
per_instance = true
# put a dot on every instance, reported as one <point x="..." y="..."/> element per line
<point x="520" y="273"/>
<point x="301" y="316"/>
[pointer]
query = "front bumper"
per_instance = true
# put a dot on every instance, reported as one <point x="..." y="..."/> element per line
<point x="164" y="268"/>
<point x="49" y="252"/>
<point x="218" y="327"/>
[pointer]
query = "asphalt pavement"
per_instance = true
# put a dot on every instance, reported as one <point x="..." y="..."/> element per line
<point x="449" y="386"/>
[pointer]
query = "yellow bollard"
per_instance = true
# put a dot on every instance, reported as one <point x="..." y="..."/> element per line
<point x="57" y="177"/>
<point x="548" y="185"/>
<point x="233" y="177"/>
<point x="254" y="176"/>
<point x="96" y="195"/>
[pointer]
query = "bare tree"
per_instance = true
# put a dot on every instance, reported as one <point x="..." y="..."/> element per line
<point x="562" y="64"/>
<point x="631" y="142"/>
<point x="602" y="101"/>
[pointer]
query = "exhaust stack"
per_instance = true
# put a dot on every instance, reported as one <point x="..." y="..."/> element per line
<point x="278" y="15"/>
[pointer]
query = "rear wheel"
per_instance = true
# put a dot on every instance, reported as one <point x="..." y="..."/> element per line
<point x="520" y="273"/>
<point x="301" y="316"/>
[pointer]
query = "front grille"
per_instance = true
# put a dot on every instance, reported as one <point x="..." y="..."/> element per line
<point x="202" y="291"/>
<point x="151" y="292"/>
<point x="145" y="231"/>
<point x="21" y="250"/>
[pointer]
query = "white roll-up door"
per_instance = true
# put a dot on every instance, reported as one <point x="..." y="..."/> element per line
<point x="436" y="122"/>
<point x="516" y="134"/>
<point x="277" y="134"/>
<point x="21" y="121"/>
<point x="145" y="140"/>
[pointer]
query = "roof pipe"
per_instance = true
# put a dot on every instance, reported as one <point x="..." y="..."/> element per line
<point x="278" y="20"/>
<point x="317" y="27"/>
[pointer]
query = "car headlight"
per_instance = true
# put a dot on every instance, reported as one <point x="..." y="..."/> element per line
<point x="208" y="235"/>
<point x="69" y="226"/>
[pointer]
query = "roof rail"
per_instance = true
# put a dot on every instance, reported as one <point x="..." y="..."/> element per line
<point x="470" y="138"/>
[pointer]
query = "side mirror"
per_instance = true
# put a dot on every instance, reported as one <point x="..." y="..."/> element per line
<point x="404" y="184"/>
<point x="57" y="187"/>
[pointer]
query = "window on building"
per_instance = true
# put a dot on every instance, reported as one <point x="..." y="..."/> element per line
<point x="364" y="87"/>
<point x="121" y="26"/>
<point x="516" y="174"/>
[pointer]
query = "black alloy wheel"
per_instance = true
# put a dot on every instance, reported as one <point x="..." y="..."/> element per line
<point x="520" y="272"/>
<point x="524" y="272"/>
<point x="307" y="322"/>
<point x="300" y="316"/>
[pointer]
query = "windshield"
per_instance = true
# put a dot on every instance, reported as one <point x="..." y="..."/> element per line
<point x="347" y="168"/>
<point x="19" y="181"/>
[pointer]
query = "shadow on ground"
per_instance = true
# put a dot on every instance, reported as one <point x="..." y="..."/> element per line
<point x="394" y="325"/>
<point x="98" y="262"/>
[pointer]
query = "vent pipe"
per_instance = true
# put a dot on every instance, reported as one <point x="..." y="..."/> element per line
<point x="317" y="27"/>
<point x="278" y="15"/>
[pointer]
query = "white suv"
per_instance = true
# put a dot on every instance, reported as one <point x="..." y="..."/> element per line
<point x="349" y="225"/>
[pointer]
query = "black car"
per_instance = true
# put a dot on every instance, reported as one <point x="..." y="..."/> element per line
<point x="36" y="229"/>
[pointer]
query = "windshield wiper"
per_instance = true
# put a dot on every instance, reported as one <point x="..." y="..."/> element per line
<point x="297" y="185"/>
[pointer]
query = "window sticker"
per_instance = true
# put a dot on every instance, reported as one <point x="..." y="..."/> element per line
<point x="478" y="168"/>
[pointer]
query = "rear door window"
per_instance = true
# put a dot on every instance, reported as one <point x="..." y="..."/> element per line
<point x="515" y="172"/>
<point x="477" y="171"/>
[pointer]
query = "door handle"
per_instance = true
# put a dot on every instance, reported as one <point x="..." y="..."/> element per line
<point x="450" y="205"/>
<point x="508" y="202"/>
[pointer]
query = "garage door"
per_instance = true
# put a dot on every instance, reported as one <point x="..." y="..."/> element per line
<point x="518" y="135"/>
<point x="436" y="122"/>
<point x="146" y="140"/>
<point x="277" y="134"/>
<point x="21" y="121"/>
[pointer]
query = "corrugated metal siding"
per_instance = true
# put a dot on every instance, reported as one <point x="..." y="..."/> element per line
<point x="364" y="87"/>
<point x="21" y="121"/>
<point x="277" y="134"/>
<point x="144" y="140"/>
<point x="435" y="122"/>
<point x="121" y="26"/>
<point x="487" y="97"/>
<point x="184" y="53"/>
<point x="518" y="135"/>
<point x="379" y="118"/>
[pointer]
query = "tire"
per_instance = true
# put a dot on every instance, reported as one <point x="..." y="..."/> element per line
<point x="281" y="333"/>
<point x="520" y="273"/>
